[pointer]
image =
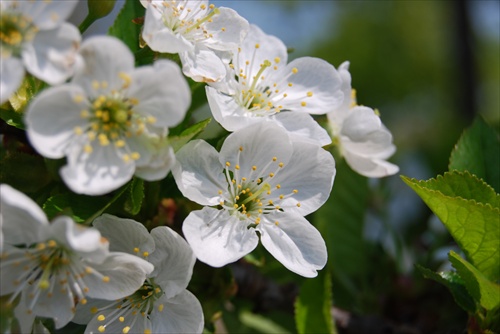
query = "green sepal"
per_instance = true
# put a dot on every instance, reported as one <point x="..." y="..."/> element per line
<point x="185" y="136"/>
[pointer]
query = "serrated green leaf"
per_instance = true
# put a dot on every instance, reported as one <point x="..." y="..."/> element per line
<point x="124" y="28"/>
<point x="78" y="207"/>
<point x="455" y="284"/>
<point x="178" y="141"/>
<point x="341" y="221"/>
<point x="486" y="293"/>
<point x="313" y="306"/>
<point x="478" y="151"/>
<point x="135" y="196"/>
<point x="475" y="226"/>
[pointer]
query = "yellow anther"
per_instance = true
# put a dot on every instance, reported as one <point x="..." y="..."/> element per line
<point x="295" y="70"/>
<point x="94" y="310"/>
<point x="151" y="119"/>
<point x="257" y="45"/>
<point x="303" y="103"/>
<point x="127" y="80"/>
<point x="295" y="191"/>
<point x="51" y="243"/>
<point x="223" y="29"/>
<point x="254" y="167"/>
<point x="145" y="254"/>
<point x="241" y="148"/>
<point x="235" y="206"/>
<point x="228" y="164"/>
<point x="212" y="6"/>
<point x="83" y="301"/>
<point x="88" y="270"/>
<point x="270" y="202"/>
<point x="277" y="60"/>
<point x="237" y="167"/>
<point x="135" y="155"/>
<point x="290" y="84"/>
<point x="237" y="197"/>
<point x="160" y="307"/>
<point x="276" y="223"/>
<point x="203" y="6"/>
<point x="103" y="139"/>
<point x="95" y="84"/>
<point x="220" y="192"/>
<point x="274" y="158"/>
<point x="298" y="204"/>
<point x="221" y="203"/>
<point x="121" y="319"/>
<point x="147" y="331"/>
<point x="78" y="130"/>
<point x="281" y="164"/>
<point x="101" y="329"/>
<point x="271" y="174"/>
<point x="133" y="101"/>
<point x="281" y="196"/>
<point x="105" y="279"/>
<point x="101" y="317"/>
<point x="126" y="329"/>
<point x="309" y="94"/>
<point x="120" y="143"/>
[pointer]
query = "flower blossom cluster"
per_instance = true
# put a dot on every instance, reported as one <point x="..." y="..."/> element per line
<point x="110" y="122"/>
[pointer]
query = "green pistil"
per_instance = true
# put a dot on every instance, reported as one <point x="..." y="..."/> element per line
<point x="205" y="19"/>
<point x="249" y="95"/>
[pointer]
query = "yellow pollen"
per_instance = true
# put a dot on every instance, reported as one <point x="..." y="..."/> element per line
<point x="160" y="307"/>
<point x="94" y="310"/>
<point x="284" y="95"/>
<point x="295" y="70"/>
<point x="271" y="174"/>
<point x="276" y="223"/>
<point x="101" y="317"/>
<point x="281" y="164"/>
<point x="270" y="202"/>
<point x="95" y="84"/>
<point x="223" y="29"/>
<point x="126" y="329"/>
<point x="237" y="167"/>
<point x="303" y="103"/>
<point x="257" y="46"/>
<point x="290" y="84"/>
<point x="295" y="191"/>
<point x="135" y="155"/>
<point x="203" y="6"/>
<point x="281" y="196"/>
<point x="298" y="204"/>
<point x="105" y="279"/>
<point x="121" y="319"/>
<point x="254" y="167"/>
<point x="101" y="329"/>
<point x="228" y="164"/>
<point x="220" y="192"/>
<point x="127" y="80"/>
<point x="241" y="148"/>
<point x="309" y="94"/>
<point x="212" y="6"/>
<point x="274" y="158"/>
<point x="235" y="206"/>
<point x="83" y="301"/>
<point x="145" y="254"/>
<point x="277" y="60"/>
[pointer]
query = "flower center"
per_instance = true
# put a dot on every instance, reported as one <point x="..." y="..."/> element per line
<point x="15" y="29"/>
<point x="111" y="119"/>
<point x="252" y="193"/>
<point x="134" y="308"/>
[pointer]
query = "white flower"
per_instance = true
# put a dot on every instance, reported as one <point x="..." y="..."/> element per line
<point x="261" y="181"/>
<point x="111" y="120"/>
<point x="261" y="86"/>
<point x="360" y="135"/>
<point x="51" y="266"/>
<point x="200" y="33"/>
<point x="162" y="304"/>
<point x="33" y="35"/>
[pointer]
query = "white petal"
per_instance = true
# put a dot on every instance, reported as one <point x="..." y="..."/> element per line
<point x="157" y="169"/>
<point x="302" y="127"/>
<point x="216" y="238"/>
<point x="85" y="241"/>
<point x="126" y="275"/>
<point x="53" y="54"/>
<point x="173" y="260"/>
<point x="11" y="274"/>
<point x="202" y="65"/>
<point x="104" y="57"/>
<point x="227" y="29"/>
<point x="159" y="37"/>
<point x="270" y="47"/>
<point x="125" y="235"/>
<point x="12" y="71"/>
<point x="261" y="143"/>
<point x="24" y="317"/>
<point x="338" y="114"/>
<point x="23" y="222"/>
<point x="198" y="173"/>
<point x="370" y="167"/>
<point x="294" y="242"/>
<point x="58" y="304"/>
<point x="180" y="314"/>
<point x="52" y="118"/>
<point x="98" y="173"/>
<point x="227" y="112"/>
<point x="314" y="76"/>
<point x="84" y="313"/>
<point x="162" y="92"/>
<point x="311" y="171"/>
<point x="48" y="15"/>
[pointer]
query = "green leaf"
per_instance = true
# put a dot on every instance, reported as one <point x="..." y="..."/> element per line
<point x="478" y="151"/>
<point x="260" y="323"/>
<point x="341" y="221"/>
<point x="486" y="293"/>
<point x="135" y="196"/>
<point x="124" y="28"/>
<point x="78" y="207"/>
<point x="23" y="171"/>
<point x="455" y="284"/>
<point x="314" y="304"/>
<point x="12" y="118"/>
<point x="178" y="141"/>
<point x="474" y="225"/>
